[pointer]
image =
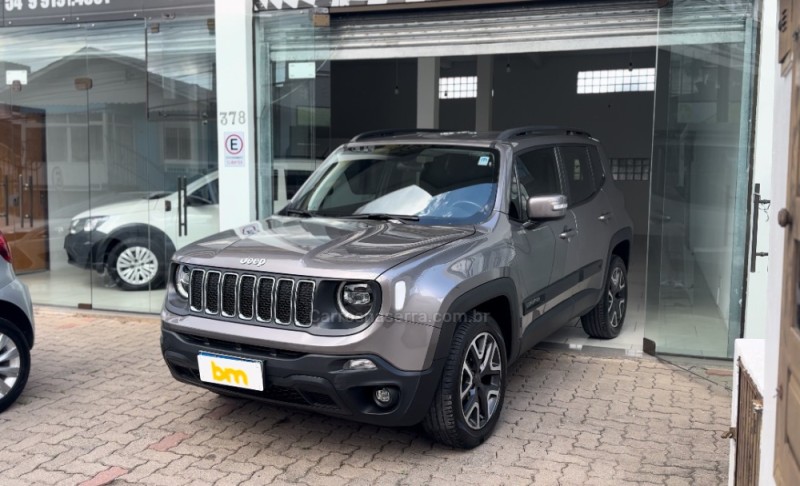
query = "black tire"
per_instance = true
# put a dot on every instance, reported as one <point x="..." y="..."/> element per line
<point x="23" y="354"/>
<point x="605" y="320"/>
<point x="156" y="247"/>
<point x="446" y="421"/>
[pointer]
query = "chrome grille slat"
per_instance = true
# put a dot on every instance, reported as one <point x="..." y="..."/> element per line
<point x="303" y="300"/>
<point x="265" y="298"/>
<point x="247" y="296"/>
<point x="284" y="308"/>
<point x="211" y="287"/>
<point x="196" y="294"/>
<point x="228" y="293"/>
<point x="252" y="297"/>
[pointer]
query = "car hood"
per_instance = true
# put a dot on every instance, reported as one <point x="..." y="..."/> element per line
<point x="319" y="247"/>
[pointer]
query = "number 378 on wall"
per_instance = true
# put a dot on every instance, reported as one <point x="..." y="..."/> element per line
<point x="232" y="117"/>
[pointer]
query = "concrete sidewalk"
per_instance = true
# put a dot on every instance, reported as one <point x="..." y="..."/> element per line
<point x="101" y="406"/>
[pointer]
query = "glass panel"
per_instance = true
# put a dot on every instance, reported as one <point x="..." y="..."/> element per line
<point x="119" y="169"/>
<point x="701" y="150"/>
<point x="182" y="161"/>
<point x="44" y="164"/>
<point x="293" y="100"/>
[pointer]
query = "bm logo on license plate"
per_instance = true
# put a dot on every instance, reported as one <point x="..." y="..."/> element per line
<point x="231" y="371"/>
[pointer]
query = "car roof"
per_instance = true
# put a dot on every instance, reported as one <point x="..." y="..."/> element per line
<point x="514" y="135"/>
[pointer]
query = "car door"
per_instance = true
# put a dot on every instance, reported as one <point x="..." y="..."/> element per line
<point x="587" y="254"/>
<point x="198" y="212"/>
<point x="540" y="252"/>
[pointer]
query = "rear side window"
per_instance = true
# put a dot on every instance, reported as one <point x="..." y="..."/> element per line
<point x="578" y="172"/>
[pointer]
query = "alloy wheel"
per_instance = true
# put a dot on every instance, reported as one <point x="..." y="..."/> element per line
<point x="616" y="297"/>
<point x="137" y="265"/>
<point x="481" y="379"/>
<point x="10" y="363"/>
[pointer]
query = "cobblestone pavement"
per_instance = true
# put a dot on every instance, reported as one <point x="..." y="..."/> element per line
<point x="101" y="407"/>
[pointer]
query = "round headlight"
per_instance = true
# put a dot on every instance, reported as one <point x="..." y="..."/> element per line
<point x="182" y="281"/>
<point x="355" y="300"/>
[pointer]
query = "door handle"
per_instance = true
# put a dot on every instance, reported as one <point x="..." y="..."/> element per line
<point x="21" y="201"/>
<point x="605" y="217"/>
<point x="183" y="224"/>
<point x="567" y="233"/>
<point x="784" y="218"/>
<point x="30" y="200"/>
<point x="5" y="199"/>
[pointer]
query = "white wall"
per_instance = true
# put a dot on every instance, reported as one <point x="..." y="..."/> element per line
<point x="763" y="170"/>
<point x="772" y="314"/>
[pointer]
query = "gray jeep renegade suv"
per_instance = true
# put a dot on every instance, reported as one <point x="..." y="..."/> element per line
<point x="404" y="276"/>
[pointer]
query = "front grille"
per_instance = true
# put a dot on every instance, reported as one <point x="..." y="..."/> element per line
<point x="267" y="299"/>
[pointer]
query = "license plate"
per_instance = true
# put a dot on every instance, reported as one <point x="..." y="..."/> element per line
<point x="231" y="371"/>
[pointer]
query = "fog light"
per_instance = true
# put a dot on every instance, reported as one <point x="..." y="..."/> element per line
<point x="385" y="396"/>
<point x="359" y="364"/>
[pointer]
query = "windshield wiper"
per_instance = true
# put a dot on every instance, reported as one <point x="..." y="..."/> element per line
<point x="298" y="212"/>
<point x="384" y="217"/>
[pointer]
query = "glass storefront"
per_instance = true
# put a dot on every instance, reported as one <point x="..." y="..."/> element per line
<point x="108" y="134"/>
<point x="703" y="129"/>
<point x="673" y="110"/>
<point x="107" y="156"/>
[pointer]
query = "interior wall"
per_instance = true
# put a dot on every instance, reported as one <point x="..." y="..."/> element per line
<point x="541" y="89"/>
<point x="364" y="97"/>
<point x="458" y="114"/>
<point x="529" y="89"/>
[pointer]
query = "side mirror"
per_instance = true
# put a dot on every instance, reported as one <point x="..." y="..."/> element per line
<point x="547" y="207"/>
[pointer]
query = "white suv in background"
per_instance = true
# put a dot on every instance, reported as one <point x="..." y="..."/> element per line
<point x="16" y="330"/>
<point x="133" y="241"/>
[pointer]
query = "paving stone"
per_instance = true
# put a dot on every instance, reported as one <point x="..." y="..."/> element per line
<point x="569" y="419"/>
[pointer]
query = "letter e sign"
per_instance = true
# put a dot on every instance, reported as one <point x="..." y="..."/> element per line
<point x="234" y="149"/>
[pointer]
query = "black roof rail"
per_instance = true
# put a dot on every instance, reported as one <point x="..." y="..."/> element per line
<point x="391" y="132"/>
<point x="511" y="133"/>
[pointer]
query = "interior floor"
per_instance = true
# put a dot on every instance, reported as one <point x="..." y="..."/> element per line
<point x="687" y="326"/>
<point x="632" y="334"/>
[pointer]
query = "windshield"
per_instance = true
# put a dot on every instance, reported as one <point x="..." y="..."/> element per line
<point x="437" y="184"/>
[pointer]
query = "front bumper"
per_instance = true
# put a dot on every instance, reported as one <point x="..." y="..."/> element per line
<point x="311" y="381"/>
<point x="82" y="249"/>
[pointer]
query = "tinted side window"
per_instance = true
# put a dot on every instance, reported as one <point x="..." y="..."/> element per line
<point x="597" y="167"/>
<point x="208" y="193"/>
<point x="537" y="171"/>
<point x="578" y="172"/>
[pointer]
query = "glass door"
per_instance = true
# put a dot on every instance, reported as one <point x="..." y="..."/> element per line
<point x="120" y="170"/>
<point x="181" y="115"/>
<point x="152" y="140"/>
<point x="44" y="159"/>
<point x="699" y="184"/>
<point x="293" y="102"/>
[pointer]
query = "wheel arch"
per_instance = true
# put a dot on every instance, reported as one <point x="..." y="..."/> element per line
<point x="17" y="316"/>
<point x="146" y="231"/>
<point x="497" y="298"/>
<point x="621" y="245"/>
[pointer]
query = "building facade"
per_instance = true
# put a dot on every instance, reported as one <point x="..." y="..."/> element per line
<point x="107" y="113"/>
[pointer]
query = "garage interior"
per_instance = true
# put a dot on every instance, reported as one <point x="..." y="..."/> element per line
<point x="576" y="67"/>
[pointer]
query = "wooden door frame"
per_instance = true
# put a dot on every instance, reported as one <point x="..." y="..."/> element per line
<point x="787" y="465"/>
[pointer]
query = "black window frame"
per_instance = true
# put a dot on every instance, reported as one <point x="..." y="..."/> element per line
<point x="566" y="184"/>
<point x="598" y="168"/>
